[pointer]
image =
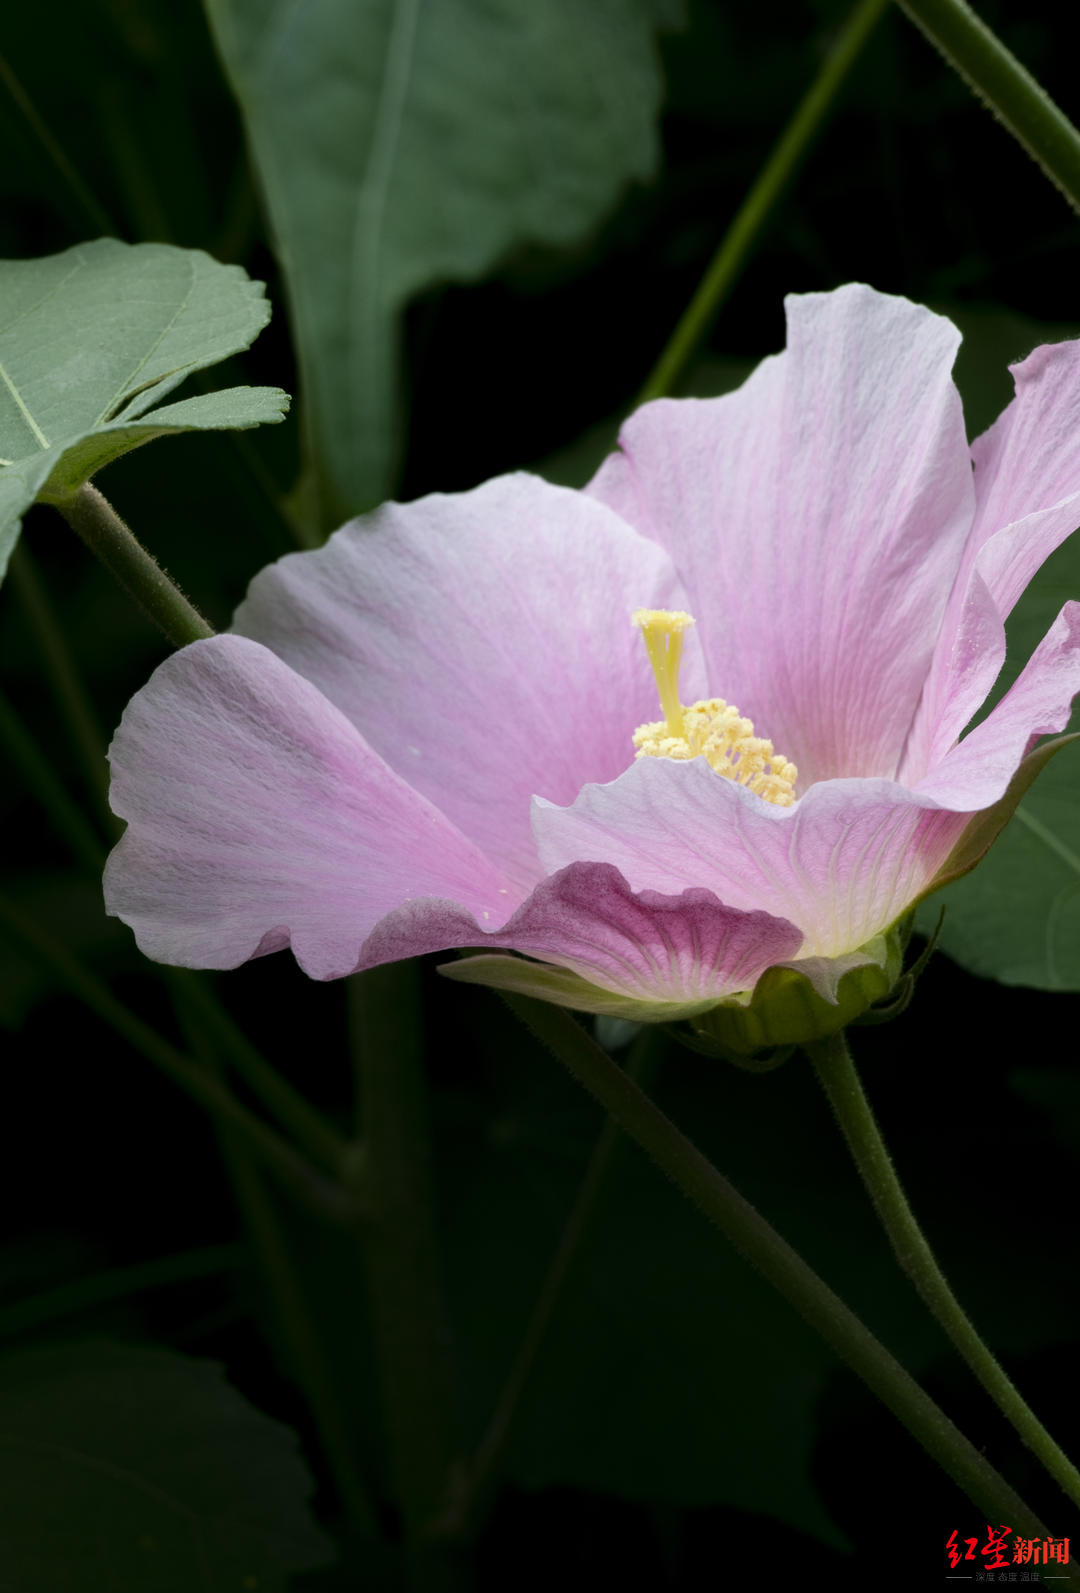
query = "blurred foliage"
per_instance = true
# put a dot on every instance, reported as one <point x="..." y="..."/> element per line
<point x="151" y="1474"/>
<point x="399" y="145"/>
<point x="680" y="1424"/>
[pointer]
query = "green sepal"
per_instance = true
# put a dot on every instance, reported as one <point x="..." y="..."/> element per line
<point x="783" y="1010"/>
<point x="564" y="988"/>
<point x="786" y="1010"/>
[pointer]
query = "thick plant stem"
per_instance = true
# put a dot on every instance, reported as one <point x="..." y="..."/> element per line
<point x="782" y="1266"/>
<point x="392" y="1180"/>
<point x="836" y="1070"/>
<point x="1006" y="87"/>
<point x="761" y="201"/>
<point x="95" y="520"/>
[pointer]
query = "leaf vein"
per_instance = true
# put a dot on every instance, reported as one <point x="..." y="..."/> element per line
<point x="376" y="176"/>
<point x="1049" y="839"/>
<point x="39" y="436"/>
<point x="123" y="390"/>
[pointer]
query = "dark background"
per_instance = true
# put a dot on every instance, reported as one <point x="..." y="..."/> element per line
<point x="618" y="1472"/>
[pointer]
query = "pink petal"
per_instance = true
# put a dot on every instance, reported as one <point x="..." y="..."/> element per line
<point x="482" y="644"/>
<point x="817" y="518"/>
<point x="653" y="947"/>
<point x="971" y="650"/>
<point x="850" y="857"/>
<point x="966" y="664"/>
<point x="842" y="864"/>
<point x="686" y="950"/>
<point x="258" y="816"/>
<point x="1027" y="488"/>
<point x="1039" y="703"/>
<point x="1027" y="462"/>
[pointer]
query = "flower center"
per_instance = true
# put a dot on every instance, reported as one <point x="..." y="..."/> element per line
<point x="711" y="728"/>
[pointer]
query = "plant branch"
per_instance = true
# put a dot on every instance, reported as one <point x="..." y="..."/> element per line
<point x="756" y="209"/>
<point x="760" y="1244"/>
<point x="1005" y="87"/>
<point x="835" y="1069"/>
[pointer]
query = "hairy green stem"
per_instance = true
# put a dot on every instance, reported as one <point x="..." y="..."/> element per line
<point x="761" y="201"/>
<point x="1005" y="87"/>
<point x="836" y="1070"/>
<point x="71" y="697"/>
<point x="94" y="519"/>
<point x="760" y="1244"/>
<point x="316" y="1192"/>
<point x="412" y="1334"/>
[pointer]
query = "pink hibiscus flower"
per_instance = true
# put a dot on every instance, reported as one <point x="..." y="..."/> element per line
<point x="440" y="730"/>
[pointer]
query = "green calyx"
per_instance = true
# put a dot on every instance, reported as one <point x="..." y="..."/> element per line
<point x="786" y="1010"/>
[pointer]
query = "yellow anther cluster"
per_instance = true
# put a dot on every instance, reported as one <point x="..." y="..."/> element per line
<point x="716" y="731"/>
<point x="711" y="728"/>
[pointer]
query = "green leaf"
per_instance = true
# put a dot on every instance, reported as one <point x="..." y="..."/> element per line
<point x="1055" y="1092"/>
<point x="141" y="1471"/>
<point x="400" y="144"/>
<point x="92" y="339"/>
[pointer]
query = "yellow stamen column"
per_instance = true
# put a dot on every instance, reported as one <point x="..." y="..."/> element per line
<point x="663" y="630"/>
<point x="710" y="728"/>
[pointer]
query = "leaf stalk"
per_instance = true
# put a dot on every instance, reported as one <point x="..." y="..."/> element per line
<point x="93" y="518"/>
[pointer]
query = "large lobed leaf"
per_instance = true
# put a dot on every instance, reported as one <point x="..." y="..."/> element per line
<point x="400" y="144"/>
<point x="140" y="1471"/>
<point x="92" y="339"/>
